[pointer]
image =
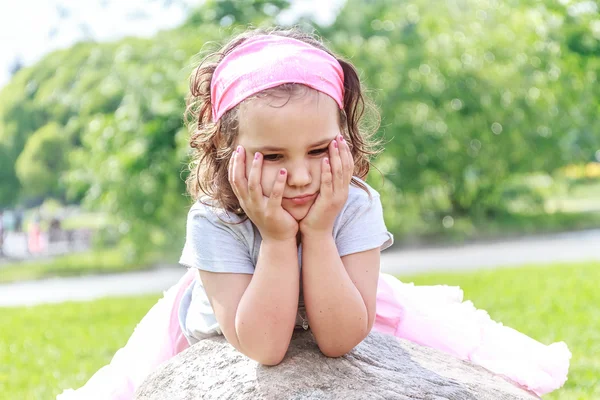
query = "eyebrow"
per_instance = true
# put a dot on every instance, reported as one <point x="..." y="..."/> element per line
<point x="275" y="148"/>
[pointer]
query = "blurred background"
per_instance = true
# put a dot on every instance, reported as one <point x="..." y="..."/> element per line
<point x="492" y="159"/>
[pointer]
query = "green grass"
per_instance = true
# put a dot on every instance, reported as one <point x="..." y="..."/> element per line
<point x="548" y="303"/>
<point x="92" y="262"/>
<point x="45" y="349"/>
<point x="52" y="347"/>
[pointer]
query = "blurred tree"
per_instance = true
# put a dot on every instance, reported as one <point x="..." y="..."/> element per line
<point x="9" y="189"/>
<point x="238" y="12"/>
<point x="471" y="92"/>
<point x="113" y="113"/>
<point x="42" y="162"/>
<point x="132" y="142"/>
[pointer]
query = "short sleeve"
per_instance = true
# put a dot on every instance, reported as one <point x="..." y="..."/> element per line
<point x="361" y="224"/>
<point x="215" y="245"/>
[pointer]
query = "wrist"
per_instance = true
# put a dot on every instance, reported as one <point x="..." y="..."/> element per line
<point x="279" y="242"/>
<point x="318" y="228"/>
<point x="279" y="237"/>
<point x="279" y="252"/>
<point x="315" y="235"/>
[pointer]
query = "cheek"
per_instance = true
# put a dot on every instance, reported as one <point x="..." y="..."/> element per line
<point x="315" y="170"/>
<point x="248" y="165"/>
<point x="269" y="174"/>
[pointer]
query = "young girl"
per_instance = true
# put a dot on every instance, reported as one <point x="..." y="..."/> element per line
<point x="285" y="233"/>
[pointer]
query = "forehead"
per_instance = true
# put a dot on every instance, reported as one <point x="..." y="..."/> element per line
<point x="288" y="120"/>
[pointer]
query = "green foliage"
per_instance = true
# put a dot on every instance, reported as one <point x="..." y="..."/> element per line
<point x="43" y="160"/>
<point x="237" y="12"/>
<point x="105" y="120"/>
<point x="472" y="93"/>
<point x="127" y="163"/>
<point x="10" y="187"/>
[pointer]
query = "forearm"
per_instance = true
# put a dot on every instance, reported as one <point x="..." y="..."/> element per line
<point x="266" y="314"/>
<point x="336" y="311"/>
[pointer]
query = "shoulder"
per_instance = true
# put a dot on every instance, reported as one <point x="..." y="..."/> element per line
<point x="217" y="241"/>
<point x="360" y="225"/>
<point x="207" y="216"/>
<point x="363" y="201"/>
<point x="207" y="208"/>
<point x="361" y="195"/>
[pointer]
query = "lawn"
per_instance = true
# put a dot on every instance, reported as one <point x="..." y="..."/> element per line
<point x="51" y="347"/>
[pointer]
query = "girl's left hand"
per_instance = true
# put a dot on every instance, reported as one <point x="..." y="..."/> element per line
<point x="336" y="174"/>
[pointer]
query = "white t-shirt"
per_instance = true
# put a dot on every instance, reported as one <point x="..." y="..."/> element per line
<point x="217" y="241"/>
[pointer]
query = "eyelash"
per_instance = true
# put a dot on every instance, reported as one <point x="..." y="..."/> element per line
<point x="276" y="157"/>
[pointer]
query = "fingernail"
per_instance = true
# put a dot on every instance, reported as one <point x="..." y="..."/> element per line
<point x="256" y="155"/>
<point x="239" y="148"/>
<point x="335" y="144"/>
<point x="282" y="171"/>
<point x="341" y="138"/>
<point x="327" y="161"/>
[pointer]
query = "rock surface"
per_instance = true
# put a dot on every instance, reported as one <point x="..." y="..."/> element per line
<point x="381" y="367"/>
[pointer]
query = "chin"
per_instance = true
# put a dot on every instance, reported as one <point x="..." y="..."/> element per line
<point x="298" y="212"/>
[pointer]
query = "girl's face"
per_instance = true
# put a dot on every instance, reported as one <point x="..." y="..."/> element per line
<point x="292" y="133"/>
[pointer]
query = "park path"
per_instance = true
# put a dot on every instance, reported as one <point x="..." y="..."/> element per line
<point x="564" y="247"/>
<point x="568" y="247"/>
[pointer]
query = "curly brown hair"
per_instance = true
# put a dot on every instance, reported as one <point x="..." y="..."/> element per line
<point x="213" y="142"/>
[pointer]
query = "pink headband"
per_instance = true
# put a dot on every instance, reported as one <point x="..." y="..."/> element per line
<point x="266" y="61"/>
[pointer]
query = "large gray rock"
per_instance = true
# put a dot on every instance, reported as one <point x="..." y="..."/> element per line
<point x="381" y="367"/>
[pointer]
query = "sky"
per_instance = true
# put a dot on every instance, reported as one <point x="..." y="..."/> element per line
<point x="29" y="29"/>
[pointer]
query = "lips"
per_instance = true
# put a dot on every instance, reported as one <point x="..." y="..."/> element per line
<point x="302" y="199"/>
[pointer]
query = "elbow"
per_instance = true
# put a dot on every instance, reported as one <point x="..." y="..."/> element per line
<point x="269" y="356"/>
<point x="339" y="349"/>
<point x="334" y="352"/>
<point x="338" y="346"/>
<point x="272" y="359"/>
<point x="265" y="355"/>
<point x="267" y="348"/>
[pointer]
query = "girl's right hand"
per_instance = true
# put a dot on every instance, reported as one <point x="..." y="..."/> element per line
<point x="273" y="222"/>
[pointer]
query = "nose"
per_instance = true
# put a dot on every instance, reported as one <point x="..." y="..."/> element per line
<point x="299" y="174"/>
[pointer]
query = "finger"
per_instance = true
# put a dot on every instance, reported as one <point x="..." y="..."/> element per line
<point x="255" y="192"/>
<point x="347" y="160"/>
<point x="274" y="201"/>
<point x="230" y="171"/>
<point x="326" y="179"/>
<point x="239" y="174"/>
<point x="230" y="166"/>
<point x="336" y="165"/>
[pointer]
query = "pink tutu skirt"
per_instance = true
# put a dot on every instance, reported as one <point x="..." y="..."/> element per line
<point x="437" y="317"/>
<point x="433" y="316"/>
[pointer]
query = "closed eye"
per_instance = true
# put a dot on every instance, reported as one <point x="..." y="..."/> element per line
<point x="277" y="157"/>
<point x="319" y="151"/>
<point x="272" y="157"/>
